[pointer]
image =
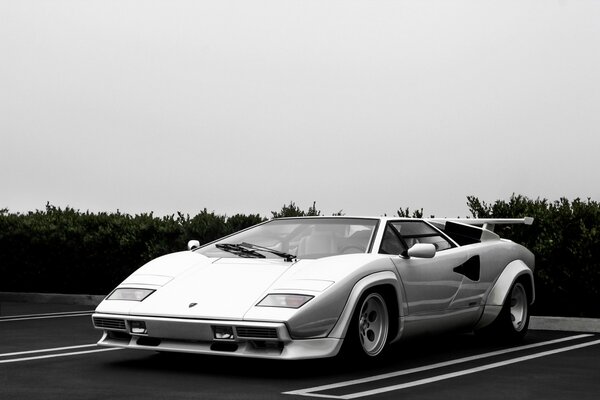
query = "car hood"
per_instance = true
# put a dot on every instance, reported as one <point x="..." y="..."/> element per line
<point x="225" y="288"/>
<point x="190" y="285"/>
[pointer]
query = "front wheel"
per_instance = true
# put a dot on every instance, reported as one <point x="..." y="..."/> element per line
<point x="370" y="326"/>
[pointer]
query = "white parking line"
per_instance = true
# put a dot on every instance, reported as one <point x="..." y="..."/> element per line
<point x="311" y="391"/>
<point x="55" y="355"/>
<point x="19" y="353"/>
<point x="467" y="371"/>
<point x="45" y="316"/>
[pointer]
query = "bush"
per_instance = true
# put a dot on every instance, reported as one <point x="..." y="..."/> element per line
<point x="292" y="210"/>
<point x="67" y="251"/>
<point x="565" y="238"/>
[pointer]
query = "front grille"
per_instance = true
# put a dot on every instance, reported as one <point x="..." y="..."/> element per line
<point x="110" y="323"/>
<point x="256" y="332"/>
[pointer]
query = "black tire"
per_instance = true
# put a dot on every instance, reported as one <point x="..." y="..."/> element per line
<point x="512" y="323"/>
<point x="369" y="332"/>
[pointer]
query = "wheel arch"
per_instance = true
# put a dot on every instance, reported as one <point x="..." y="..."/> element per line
<point x="515" y="271"/>
<point x="387" y="284"/>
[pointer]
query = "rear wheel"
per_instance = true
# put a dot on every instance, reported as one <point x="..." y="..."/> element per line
<point x="519" y="309"/>
<point x="513" y="321"/>
<point x="370" y="327"/>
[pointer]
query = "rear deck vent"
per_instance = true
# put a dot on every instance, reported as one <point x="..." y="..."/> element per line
<point x="109" y="323"/>
<point x="256" y="332"/>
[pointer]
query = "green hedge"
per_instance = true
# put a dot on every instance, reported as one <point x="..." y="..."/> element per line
<point x="565" y="238"/>
<point x="67" y="251"/>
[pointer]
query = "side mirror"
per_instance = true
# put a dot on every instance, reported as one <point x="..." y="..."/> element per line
<point x="193" y="244"/>
<point x="421" y="250"/>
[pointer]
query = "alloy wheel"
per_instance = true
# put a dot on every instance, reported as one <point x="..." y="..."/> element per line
<point x="373" y="324"/>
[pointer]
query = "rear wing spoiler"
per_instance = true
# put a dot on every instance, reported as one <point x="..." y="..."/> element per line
<point x="469" y="230"/>
<point x="486" y="223"/>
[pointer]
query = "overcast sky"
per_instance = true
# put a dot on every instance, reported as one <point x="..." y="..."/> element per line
<point x="242" y="106"/>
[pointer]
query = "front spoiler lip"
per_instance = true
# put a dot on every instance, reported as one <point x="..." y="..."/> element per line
<point x="188" y="328"/>
<point x="196" y="336"/>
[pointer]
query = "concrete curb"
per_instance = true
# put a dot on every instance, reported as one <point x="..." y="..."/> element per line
<point x="591" y="325"/>
<point x="44" y="298"/>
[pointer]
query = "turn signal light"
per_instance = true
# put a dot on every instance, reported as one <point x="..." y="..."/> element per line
<point x="138" y="327"/>
<point x="223" y="332"/>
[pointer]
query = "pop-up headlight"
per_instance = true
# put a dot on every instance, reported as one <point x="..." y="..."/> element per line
<point x="285" y="300"/>
<point x="130" y="294"/>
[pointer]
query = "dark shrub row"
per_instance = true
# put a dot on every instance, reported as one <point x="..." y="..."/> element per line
<point x="565" y="238"/>
<point x="67" y="251"/>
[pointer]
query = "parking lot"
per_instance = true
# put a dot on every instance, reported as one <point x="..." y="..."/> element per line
<point x="48" y="351"/>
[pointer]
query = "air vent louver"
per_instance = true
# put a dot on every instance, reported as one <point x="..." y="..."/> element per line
<point x="256" y="332"/>
<point x="110" y="323"/>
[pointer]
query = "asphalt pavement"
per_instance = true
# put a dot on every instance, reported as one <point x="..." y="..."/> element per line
<point x="48" y="351"/>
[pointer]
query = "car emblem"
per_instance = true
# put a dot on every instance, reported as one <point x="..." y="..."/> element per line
<point x="192" y="305"/>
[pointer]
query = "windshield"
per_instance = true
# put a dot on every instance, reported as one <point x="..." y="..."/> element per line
<point x="296" y="238"/>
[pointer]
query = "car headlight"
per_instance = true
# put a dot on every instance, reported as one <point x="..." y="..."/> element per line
<point x="130" y="294"/>
<point x="284" y="300"/>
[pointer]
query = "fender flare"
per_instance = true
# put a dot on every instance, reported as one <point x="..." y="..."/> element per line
<point x="497" y="295"/>
<point x="366" y="283"/>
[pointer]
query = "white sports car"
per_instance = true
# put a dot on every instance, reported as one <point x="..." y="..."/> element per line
<point x="295" y="288"/>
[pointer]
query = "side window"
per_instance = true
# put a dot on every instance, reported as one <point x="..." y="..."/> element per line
<point x="391" y="243"/>
<point x="414" y="232"/>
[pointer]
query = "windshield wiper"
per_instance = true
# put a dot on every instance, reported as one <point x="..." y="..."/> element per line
<point x="282" y="254"/>
<point x="239" y="250"/>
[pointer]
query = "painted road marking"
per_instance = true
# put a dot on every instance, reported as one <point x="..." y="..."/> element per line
<point x="467" y="371"/>
<point x="312" y="391"/>
<point x="55" y="355"/>
<point x="45" y="316"/>
<point x="18" y="353"/>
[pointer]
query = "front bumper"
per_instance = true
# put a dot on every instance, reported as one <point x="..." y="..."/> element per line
<point x="250" y="339"/>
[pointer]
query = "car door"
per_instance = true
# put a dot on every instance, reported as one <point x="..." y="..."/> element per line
<point x="431" y="285"/>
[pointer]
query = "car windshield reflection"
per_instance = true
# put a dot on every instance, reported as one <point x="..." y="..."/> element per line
<point x="296" y="238"/>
